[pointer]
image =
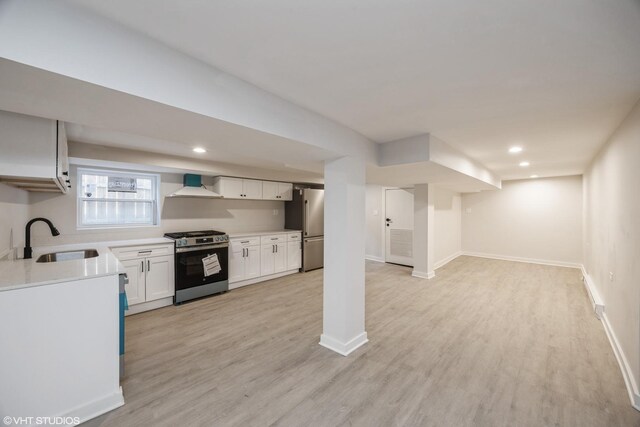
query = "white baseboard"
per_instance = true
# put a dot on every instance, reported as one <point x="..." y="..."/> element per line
<point x="632" y="387"/>
<point x="520" y="259"/>
<point x="374" y="258"/>
<point x="97" y="407"/>
<point x="594" y="296"/>
<point x="343" y="348"/>
<point x="447" y="260"/>
<point x="423" y="275"/>
<point x="255" y="280"/>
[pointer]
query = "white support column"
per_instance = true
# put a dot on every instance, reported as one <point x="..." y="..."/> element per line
<point x="423" y="236"/>
<point x="344" y="247"/>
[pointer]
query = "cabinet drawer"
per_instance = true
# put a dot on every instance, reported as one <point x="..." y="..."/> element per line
<point x="273" y="238"/>
<point x="294" y="237"/>
<point x="133" y="252"/>
<point x="245" y="241"/>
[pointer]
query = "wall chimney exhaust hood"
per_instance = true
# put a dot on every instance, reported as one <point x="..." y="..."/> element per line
<point x="193" y="187"/>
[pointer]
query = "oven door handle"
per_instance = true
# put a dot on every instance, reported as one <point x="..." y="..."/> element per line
<point x="201" y="248"/>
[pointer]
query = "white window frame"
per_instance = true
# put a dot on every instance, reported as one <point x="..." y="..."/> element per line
<point x="155" y="180"/>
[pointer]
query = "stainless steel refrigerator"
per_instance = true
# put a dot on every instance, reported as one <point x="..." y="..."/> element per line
<point x="306" y="212"/>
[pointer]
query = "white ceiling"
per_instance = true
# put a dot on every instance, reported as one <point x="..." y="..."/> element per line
<point x="556" y="77"/>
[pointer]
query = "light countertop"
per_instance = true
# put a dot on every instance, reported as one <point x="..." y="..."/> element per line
<point x="24" y="273"/>
<point x="261" y="233"/>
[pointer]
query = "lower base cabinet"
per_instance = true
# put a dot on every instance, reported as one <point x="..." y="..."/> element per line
<point x="151" y="273"/>
<point x="256" y="258"/>
<point x="273" y="259"/>
<point x="135" y="289"/>
<point x="244" y="262"/>
<point x="294" y="255"/>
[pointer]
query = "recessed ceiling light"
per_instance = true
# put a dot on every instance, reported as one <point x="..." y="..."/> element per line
<point x="524" y="164"/>
<point x="199" y="150"/>
<point x="514" y="150"/>
<point x="533" y="176"/>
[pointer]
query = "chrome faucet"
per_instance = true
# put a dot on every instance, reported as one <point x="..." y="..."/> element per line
<point x="27" y="238"/>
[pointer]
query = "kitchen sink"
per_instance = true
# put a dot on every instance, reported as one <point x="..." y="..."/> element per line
<point x="68" y="255"/>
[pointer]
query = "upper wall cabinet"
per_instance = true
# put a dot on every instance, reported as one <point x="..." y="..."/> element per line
<point x="34" y="153"/>
<point x="251" y="189"/>
<point x="237" y="188"/>
<point x="277" y="190"/>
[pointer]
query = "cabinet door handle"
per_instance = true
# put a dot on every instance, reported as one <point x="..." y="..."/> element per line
<point x="148" y="265"/>
<point x="142" y="264"/>
<point x="276" y="248"/>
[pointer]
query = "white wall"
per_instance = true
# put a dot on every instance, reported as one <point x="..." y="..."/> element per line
<point x="612" y="239"/>
<point x="14" y="214"/>
<point x="178" y="214"/>
<point x="374" y="245"/>
<point x="447" y="225"/>
<point x="538" y="219"/>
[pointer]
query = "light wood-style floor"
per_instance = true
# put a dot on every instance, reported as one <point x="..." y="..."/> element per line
<point x="485" y="343"/>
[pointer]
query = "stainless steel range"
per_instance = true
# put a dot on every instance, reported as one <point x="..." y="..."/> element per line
<point x="202" y="264"/>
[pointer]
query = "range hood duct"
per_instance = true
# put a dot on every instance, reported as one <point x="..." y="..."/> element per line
<point x="193" y="187"/>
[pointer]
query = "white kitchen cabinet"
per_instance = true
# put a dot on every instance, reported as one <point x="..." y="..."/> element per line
<point x="159" y="277"/>
<point x="267" y="260"/>
<point x="273" y="258"/>
<point x="151" y="273"/>
<point x="135" y="289"/>
<point x="244" y="260"/>
<point x="35" y="156"/>
<point x="237" y="188"/>
<point x="294" y="255"/>
<point x="272" y="190"/>
<point x="261" y="257"/>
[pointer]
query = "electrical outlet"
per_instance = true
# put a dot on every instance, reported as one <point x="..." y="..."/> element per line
<point x="275" y="212"/>
<point x="611" y="276"/>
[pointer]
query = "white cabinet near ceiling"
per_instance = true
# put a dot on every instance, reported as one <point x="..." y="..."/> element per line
<point x="34" y="154"/>
<point x="277" y="190"/>
<point x="237" y="188"/>
<point x="151" y="274"/>
<point x="260" y="257"/>
<point x="244" y="259"/>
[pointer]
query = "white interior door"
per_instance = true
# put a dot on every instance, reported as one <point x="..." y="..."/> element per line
<point x="399" y="226"/>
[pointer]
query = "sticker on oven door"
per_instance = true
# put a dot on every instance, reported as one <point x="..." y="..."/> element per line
<point x="211" y="265"/>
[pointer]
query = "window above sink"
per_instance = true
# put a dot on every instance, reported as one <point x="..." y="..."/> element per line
<point x="108" y="199"/>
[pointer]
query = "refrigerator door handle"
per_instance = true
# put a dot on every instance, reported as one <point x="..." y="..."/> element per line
<point x="306" y="217"/>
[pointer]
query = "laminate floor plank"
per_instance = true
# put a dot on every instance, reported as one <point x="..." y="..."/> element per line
<point x="485" y="343"/>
